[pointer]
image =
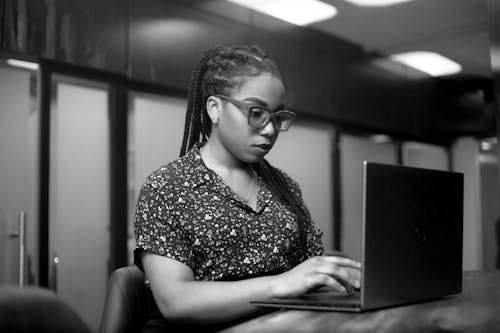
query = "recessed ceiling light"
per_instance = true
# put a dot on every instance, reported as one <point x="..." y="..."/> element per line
<point x="381" y="138"/>
<point x="431" y="63"/>
<point x="23" y="64"/>
<point x="299" y="12"/>
<point x="375" y="3"/>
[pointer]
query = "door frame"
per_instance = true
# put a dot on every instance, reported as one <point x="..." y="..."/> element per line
<point x="117" y="106"/>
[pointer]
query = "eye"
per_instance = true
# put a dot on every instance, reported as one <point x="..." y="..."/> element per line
<point x="259" y="113"/>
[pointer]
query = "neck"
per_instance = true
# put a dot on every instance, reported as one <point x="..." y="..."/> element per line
<point x="216" y="156"/>
<point x="239" y="176"/>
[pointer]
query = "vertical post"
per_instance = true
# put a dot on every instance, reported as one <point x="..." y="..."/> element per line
<point x="21" y="248"/>
<point x="337" y="202"/>
<point x="44" y="171"/>
<point x="494" y="22"/>
<point x="118" y="110"/>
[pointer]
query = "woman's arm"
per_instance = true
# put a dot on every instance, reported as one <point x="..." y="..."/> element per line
<point x="181" y="298"/>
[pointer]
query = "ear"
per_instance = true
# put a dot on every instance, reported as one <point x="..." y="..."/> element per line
<point x="213" y="109"/>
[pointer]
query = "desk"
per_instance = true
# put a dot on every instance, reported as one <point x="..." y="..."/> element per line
<point x="476" y="309"/>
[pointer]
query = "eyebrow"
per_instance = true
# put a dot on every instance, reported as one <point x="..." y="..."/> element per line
<point x="263" y="103"/>
<point x="256" y="100"/>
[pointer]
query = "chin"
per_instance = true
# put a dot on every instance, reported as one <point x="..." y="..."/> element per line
<point x="252" y="158"/>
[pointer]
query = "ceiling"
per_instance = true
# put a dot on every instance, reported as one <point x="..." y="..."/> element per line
<point x="457" y="29"/>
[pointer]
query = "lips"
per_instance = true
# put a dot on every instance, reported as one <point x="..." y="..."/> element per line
<point x="264" y="146"/>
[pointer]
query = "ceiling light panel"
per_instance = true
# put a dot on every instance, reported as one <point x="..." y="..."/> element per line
<point x="23" y="64"/>
<point x="376" y="3"/>
<point x="431" y="63"/>
<point x="298" y="12"/>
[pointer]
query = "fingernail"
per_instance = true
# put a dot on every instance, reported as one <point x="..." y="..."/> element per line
<point x="342" y="289"/>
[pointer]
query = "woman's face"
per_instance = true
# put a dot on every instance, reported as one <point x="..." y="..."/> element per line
<point x="247" y="143"/>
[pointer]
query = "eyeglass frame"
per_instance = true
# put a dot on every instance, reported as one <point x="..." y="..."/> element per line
<point x="248" y="107"/>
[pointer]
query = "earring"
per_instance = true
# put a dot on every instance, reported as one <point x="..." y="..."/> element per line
<point x="216" y="122"/>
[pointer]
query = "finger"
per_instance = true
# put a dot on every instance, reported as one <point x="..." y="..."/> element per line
<point x="341" y="261"/>
<point x="325" y="280"/>
<point x="340" y="273"/>
<point x="354" y="273"/>
<point x="348" y="287"/>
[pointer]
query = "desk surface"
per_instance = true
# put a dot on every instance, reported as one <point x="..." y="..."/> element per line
<point x="476" y="309"/>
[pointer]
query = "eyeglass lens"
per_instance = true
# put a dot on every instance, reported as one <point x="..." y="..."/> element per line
<point x="259" y="118"/>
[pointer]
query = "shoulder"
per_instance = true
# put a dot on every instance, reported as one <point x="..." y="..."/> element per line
<point x="167" y="175"/>
<point x="172" y="177"/>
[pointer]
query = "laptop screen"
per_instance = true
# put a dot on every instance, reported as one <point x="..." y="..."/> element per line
<point x="412" y="234"/>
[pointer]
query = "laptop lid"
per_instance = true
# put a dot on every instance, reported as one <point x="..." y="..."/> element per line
<point x="411" y="241"/>
<point x="412" y="234"/>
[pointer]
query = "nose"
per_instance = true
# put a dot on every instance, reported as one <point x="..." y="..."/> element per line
<point x="269" y="130"/>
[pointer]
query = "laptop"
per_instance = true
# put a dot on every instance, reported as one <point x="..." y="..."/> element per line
<point x="411" y="241"/>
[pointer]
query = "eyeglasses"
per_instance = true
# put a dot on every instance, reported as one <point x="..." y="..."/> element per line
<point x="260" y="116"/>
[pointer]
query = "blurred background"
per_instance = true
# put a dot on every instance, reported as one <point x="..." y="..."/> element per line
<point x="93" y="95"/>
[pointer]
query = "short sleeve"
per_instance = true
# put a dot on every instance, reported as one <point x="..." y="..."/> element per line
<point x="156" y="228"/>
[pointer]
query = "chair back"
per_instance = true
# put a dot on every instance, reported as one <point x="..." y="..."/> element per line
<point x="128" y="302"/>
<point x="36" y="309"/>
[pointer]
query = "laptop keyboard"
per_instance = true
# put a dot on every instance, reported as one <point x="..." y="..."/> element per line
<point x="326" y="299"/>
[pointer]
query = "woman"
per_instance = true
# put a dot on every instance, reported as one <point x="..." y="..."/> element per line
<point x="220" y="226"/>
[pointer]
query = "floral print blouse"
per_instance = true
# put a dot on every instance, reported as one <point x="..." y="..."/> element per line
<point x="186" y="212"/>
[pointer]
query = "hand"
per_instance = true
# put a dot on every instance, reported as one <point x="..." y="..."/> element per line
<point x="317" y="272"/>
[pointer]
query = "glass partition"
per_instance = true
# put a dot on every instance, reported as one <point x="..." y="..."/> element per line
<point x="305" y="153"/>
<point x="490" y="206"/>
<point x="79" y="213"/>
<point x="353" y="151"/>
<point x="156" y="126"/>
<point x="19" y="123"/>
<point x="424" y="155"/>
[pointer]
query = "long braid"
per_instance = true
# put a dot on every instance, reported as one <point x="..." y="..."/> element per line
<point x="279" y="186"/>
<point x="220" y="71"/>
<point x="188" y="125"/>
<point x="192" y="124"/>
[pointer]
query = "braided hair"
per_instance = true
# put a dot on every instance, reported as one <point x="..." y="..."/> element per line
<point x="221" y="70"/>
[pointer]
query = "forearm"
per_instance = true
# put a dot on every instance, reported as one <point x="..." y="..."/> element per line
<point x="214" y="301"/>
<point x="181" y="298"/>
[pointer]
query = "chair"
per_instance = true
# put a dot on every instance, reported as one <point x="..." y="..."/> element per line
<point x="128" y="302"/>
<point x="35" y="309"/>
